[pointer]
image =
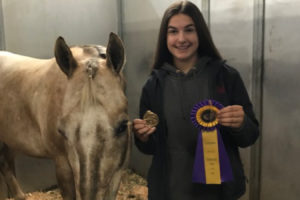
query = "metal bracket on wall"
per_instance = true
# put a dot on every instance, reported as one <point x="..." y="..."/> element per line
<point x="257" y="94"/>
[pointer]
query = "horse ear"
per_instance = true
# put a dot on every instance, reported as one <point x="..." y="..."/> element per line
<point x="64" y="57"/>
<point x="115" y="53"/>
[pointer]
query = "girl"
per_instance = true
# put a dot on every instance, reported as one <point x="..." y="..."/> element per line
<point x="188" y="69"/>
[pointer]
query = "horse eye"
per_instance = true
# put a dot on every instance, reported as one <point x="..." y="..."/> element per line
<point x="103" y="55"/>
<point x="122" y="127"/>
<point x="62" y="133"/>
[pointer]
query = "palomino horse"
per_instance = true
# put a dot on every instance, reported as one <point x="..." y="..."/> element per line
<point x="72" y="109"/>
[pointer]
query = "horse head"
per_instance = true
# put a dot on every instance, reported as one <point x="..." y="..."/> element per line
<point x="94" y="123"/>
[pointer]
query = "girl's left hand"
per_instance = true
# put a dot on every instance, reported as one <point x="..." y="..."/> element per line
<point x="231" y="116"/>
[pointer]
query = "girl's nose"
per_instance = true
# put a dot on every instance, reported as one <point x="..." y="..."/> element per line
<point x="181" y="36"/>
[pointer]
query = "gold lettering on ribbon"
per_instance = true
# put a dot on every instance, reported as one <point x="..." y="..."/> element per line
<point x="211" y="157"/>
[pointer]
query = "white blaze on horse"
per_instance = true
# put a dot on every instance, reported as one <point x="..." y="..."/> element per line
<point x="72" y="109"/>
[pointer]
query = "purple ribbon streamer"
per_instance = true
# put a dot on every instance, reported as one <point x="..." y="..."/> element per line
<point x="199" y="169"/>
<point x="225" y="167"/>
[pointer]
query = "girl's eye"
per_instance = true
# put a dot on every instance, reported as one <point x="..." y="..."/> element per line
<point x="190" y="30"/>
<point x="172" y="31"/>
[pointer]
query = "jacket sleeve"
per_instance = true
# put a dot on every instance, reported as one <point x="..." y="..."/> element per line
<point x="149" y="146"/>
<point x="249" y="132"/>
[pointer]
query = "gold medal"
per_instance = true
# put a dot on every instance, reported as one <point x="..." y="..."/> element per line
<point x="151" y="118"/>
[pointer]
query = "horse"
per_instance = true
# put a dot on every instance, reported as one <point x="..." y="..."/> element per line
<point x="71" y="108"/>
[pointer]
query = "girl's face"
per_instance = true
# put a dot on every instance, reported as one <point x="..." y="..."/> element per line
<point x="182" y="39"/>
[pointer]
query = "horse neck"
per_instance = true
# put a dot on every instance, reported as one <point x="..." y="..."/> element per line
<point x="45" y="89"/>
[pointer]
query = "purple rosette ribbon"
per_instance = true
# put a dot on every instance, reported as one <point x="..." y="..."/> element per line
<point x="211" y="165"/>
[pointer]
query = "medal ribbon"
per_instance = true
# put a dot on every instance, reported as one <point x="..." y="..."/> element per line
<point x="211" y="165"/>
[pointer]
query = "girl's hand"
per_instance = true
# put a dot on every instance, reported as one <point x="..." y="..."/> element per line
<point x="142" y="130"/>
<point x="231" y="116"/>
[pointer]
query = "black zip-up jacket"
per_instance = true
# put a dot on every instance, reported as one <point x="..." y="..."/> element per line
<point x="228" y="89"/>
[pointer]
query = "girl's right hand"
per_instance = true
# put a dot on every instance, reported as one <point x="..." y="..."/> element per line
<point x="142" y="130"/>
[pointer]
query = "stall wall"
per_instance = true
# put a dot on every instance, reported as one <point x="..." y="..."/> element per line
<point x="1" y="27"/>
<point x="30" y="28"/>
<point x="281" y="94"/>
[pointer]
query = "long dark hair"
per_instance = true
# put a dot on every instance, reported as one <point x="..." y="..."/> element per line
<point x="206" y="44"/>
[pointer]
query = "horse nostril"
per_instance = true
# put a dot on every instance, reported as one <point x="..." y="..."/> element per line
<point x="122" y="127"/>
